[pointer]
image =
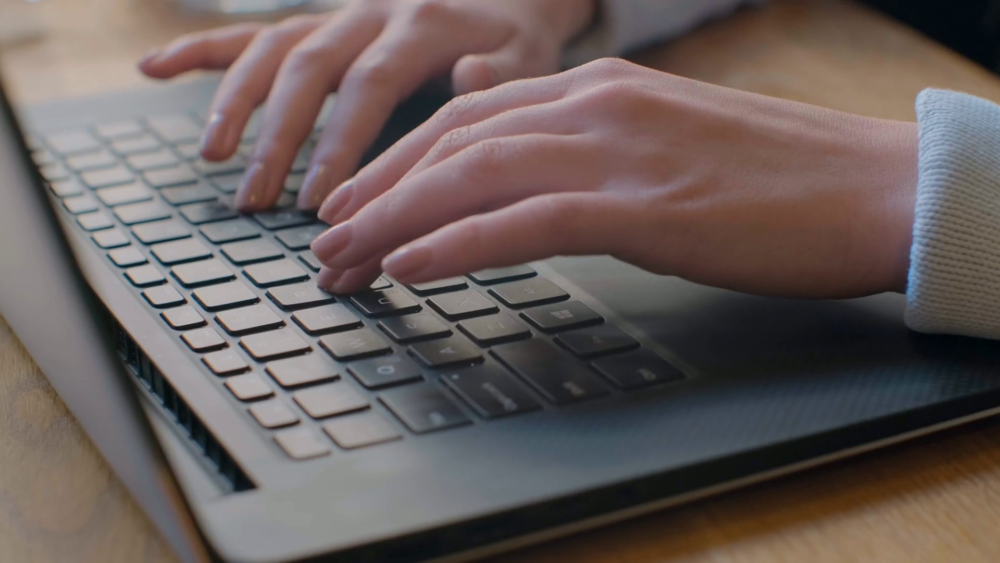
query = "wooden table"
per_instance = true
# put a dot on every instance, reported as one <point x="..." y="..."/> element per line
<point x="936" y="499"/>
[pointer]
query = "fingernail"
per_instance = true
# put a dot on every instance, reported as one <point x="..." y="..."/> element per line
<point x="407" y="261"/>
<point x="314" y="188"/>
<point x="337" y="202"/>
<point x="254" y="185"/>
<point x="217" y="134"/>
<point x="332" y="242"/>
<point x="150" y="55"/>
<point x="327" y="278"/>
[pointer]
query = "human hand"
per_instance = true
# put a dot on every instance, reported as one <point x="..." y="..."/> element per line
<point x="374" y="53"/>
<point x="717" y="186"/>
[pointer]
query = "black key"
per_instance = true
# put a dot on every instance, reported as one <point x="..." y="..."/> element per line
<point x="107" y="177"/>
<point x="453" y="351"/>
<point x="250" y="251"/>
<point x="249" y="387"/>
<point x="228" y="183"/>
<point x="92" y="161"/>
<point x="597" y="341"/>
<point x="423" y="408"/>
<point x="495" y="329"/>
<point x="233" y="165"/>
<point x="94" y="221"/>
<point x="225" y="296"/>
<point x="561" y="316"/>
<point x="111" y="238"/>
<point x="144" y="276"/>
<point x="557" y="376"/>
<point x="209" y="212"/>
<point x="54" y="172"/>
<point x="441" y="286"/>
<point x="414" y="328"/>
<point x="183" y="318"/>
<point x="379" y="373"/>
<point x="310" y="260"/>
<point x="179" y="251"/>
<point x="127" y="257"/>
<point x="183" y="195"/>
<point x="225" y="362"/>
<point x="380" y="284"/>
<point x="328" y="318"/>
<point x="360" y="430"/>
<point x="118" y="130"/>
<point x="135" y="213"/>
<point x="229" y="231"/>
<point x="274" y="220"/>
<point x="163" y="296"/>
<point x="81" y="204"/>
<point x="276" y="272"/>
<point x="173" y="176"/>
<point x="463" y="305"/>
<point x="490" y="391"/>
<point x="528" y="293"/>
<point x="299" y="296"/>
<point x="273" y="414"/>
<point x="304" y="370"/>
<point x="120" y="195"/>
<point x="330" y="400"/>
<point x="355" y="344"/>
<point x="245" y="320"/>
<point x="152" y="160"/>
<point x="72" y="142"/>
<point x="161" y="231"/>
<point x="384" y="303"/>
<point x="638" y="369"/>
<point x="66" y="188"/>
<point x="300" y="238"/>
<point x="273" y="345"/>
<point x="203" y="339"/>
<point x="175" y="128"/>
<point x="500" y="275"/>
<point x="205" y="272"/>
<point x="140" y="144"/>
<point x="301" y="444"/>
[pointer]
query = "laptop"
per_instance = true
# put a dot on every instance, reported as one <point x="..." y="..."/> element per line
<point x="257" y="418"/>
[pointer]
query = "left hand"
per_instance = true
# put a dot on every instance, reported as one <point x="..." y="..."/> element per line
<point x="717" y="186"/>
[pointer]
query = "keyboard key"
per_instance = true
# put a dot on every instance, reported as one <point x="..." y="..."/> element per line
<point x="229" y="231"/>
<point x="380" y="284"/>
<point x="111" y="238"/>
<point x="304" y="370"/>
<point x="118" y="130"/>
<point x="249" y="387"/>
<point x="495" y="329"/>
<point x="300" y="238"/>
<point x="528" y="293"/>
<point x="293" y="183"/>
<point x="91" y="161"/>
<point x="183" y="195"/>
<point x="152" y="160"/>
<point x="355" y="344"/>
<point x="299" y="296"/>
<point x="94" y="221"/>
<point x="163" y="296"/>
<point x="490" y="391"/>
<point x="597" y="341"/>
<point x="330" y="400"/>
<point x="423" y="408"/>
<point x="135" y="213"/>
<point x="378" y="373"/>
<point x="107" y="177"/>
<point x="637" y="369"/>
<point x="276" y="272"/>
<point x="225" y="362"/>
<point x="557" y="376"/>
<point x="273" y="414"/>
<point x="209" y="212"/>
<point x="66" y="188"/>
<point x="301" y="444"/>
<point x="205" y="272"/>
<point x="188" y="151"/>
<point x="310" y="260"/>
<point x="500" y="275"/>
<point x="72" y="142"/>
<point x="144" y="276"/>
<point x="54" y="172"/>
<point x="225" y="296"/>
<point x="561" y="316"/>
<point x="250" y="251"/>
<point x="179" y="251"/>
<point x="274" y="220"/>
<point x="230" y="166"/>
<point x="140" y="144"/>
<point x="80" y="204"/>
<point x="256" y="318"/>
<point x="228" y="183"/>
<point x="441" y="286"/>
<point x="273" y="345"/>
<point x="453" y="351"/>
<point x="360" y="430"/>
<point x="172" y="176"/>
<point x="183" y="318"/>
<point x="127" y="257"/>
<point x="328" y="318"/>
<point x="463" y="305"/>
<point x="175" y="128"/>
<point x="414" y="328"/>
<point x="43" y="157"/>
<point x="161" y="231"/>
<point x="203" y="340"/>
<point x="120" y="195"/>
<point x="389" y="302"/>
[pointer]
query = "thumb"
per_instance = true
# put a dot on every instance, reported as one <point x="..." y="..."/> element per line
<point x="483" y="71"/>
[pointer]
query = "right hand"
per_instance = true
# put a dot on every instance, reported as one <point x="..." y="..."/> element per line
<point x="374" y="53"/>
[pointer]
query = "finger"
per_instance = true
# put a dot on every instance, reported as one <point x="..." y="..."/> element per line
<point x="306" y="76"/>
<point x="208" y="50"/>
<point x="513" y="61"/>
<point x="409" y="53"/>
<point x="342" y="282"/>
<point x="534" y="229"/>
<point x="485" y="176"/>
<point x="248" y="82"/>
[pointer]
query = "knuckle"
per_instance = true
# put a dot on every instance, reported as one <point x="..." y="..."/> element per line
<point x="306" y="58"/>
<point x="458" y="108"/>
<point x="371" y="75"/>
<point x="608" y="68"/>
<point x="451" y="142"/>
<point x="486" y="157"/>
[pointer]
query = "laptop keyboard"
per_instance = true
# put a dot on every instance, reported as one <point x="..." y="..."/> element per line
<point x="321" y="372"/>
